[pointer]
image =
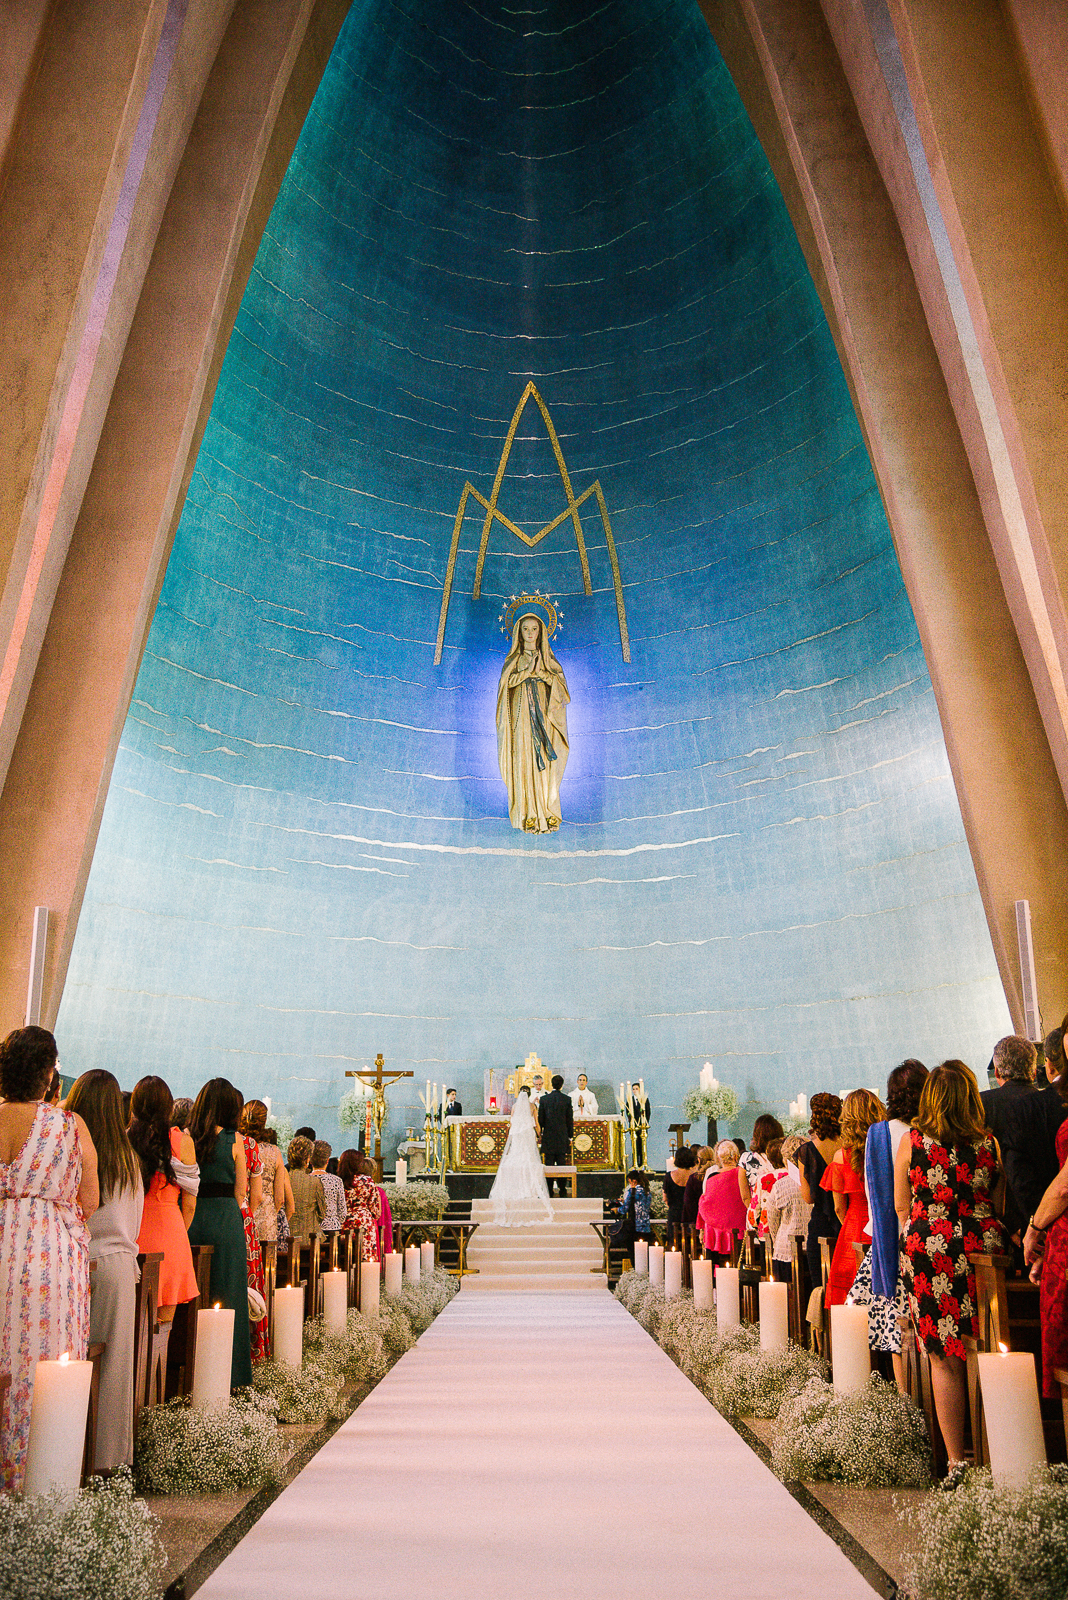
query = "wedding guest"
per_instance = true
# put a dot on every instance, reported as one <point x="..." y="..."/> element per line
<point x="844" y="1178"/>
<point x="788" y="1213"/>
<point x="695" y="1184"/>
<point x="1053" y="1051"/>
<point x="878" y="1284"/>
<point x="721" y="1211"/>
<point x="218" y="1220"/>
<point x="181" y="1112"/>
<point x="947" y="1166"/>
<point x="308" y="1195"/>
<point x="259" y="1334"/>
<point x="1046" y="1252"/>
<point x="363" y="1201"/>
<point x="752" y="1167"/>
<point x="113" y="1230"/>
<point x="48" y="1192"/>
<point x="306" y="1133"/>
<point x="171" y="1179"/>
<point x="277" y="1192"/>
<point x="635" y="1209"/>
<point x="824" y="1138"/>
<point x="333" y="1188"/>
<point x="675" y="1180"/>
<point x="1025" y="1124"/>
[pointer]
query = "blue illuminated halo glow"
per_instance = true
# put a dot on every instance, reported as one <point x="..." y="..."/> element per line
<point x="536" y="604"/>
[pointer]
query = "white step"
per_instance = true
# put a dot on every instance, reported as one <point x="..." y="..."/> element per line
<point x="539" y="1283"/>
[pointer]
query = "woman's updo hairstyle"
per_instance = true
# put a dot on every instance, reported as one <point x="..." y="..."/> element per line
<point x="254" y="1119"/>
<point x="27" y="1058"/>
<point x="825" y="1114"/>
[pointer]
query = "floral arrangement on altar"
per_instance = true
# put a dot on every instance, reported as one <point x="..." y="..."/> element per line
<point x="720" y="1104"/>
<point x="416" y="1201"/>
<point x="352" y="1107"/>
<point x="877" y="1438"/>
<point x="982" y="1541"/>
<point x="102" y="1544"/>
<point x="284" y="1128"/>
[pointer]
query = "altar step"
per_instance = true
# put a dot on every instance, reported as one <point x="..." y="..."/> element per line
<point x="562" y="1256"/>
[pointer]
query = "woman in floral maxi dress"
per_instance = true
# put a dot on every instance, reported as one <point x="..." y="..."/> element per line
<point x="945" y="1176"/>
<point x="362" y="1200"/>
<point x="48" y="1190"/>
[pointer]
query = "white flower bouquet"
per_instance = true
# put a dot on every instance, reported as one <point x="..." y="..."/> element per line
<point x="101" y="1545"/>
<point x="876" y="1438"/>
<point x="982" y="1541"/>
<point x="720" y="1103"/>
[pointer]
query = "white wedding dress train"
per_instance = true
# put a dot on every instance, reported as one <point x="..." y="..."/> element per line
<point x="520" y="1194"/>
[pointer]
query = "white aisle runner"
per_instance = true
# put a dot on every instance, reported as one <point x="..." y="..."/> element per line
<point x="540" y="1447"/>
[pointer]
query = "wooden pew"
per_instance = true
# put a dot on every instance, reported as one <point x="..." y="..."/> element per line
<point x="146" y="1324"/>
<point x="797" y="1298"/>
<point x="94" y="1354"/>
<point x="182" y="1350"/>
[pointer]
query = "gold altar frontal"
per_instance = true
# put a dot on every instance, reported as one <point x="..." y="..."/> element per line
<point x="476" y="1144"/>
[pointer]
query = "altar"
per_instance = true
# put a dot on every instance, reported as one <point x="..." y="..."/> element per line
<point x="476" y="1144"/>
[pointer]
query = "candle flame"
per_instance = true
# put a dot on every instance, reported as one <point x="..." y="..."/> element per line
<point x="64" y="1358"/>
<point x="1003" y="1348"/>
<point x="218" y="1305"/>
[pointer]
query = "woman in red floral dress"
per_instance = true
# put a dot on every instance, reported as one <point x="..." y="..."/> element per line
<point x="261" y="1347"/>
<point x="945" y="1175"/>
<point x="362" y="1200"/>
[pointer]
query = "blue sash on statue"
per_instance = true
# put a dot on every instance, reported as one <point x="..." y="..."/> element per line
<point x="538" y="728"/>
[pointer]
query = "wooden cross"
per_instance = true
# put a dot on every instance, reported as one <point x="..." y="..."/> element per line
<point x="377" y="1083"/>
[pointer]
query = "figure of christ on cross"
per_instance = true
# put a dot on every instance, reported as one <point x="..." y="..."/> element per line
<point x="378" y="1082"/>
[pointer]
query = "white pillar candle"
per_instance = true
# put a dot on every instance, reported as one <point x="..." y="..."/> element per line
<point x="402" y="1170"/>
<point x="656" y="1263"/>
<point x="335" y="1300"/>
<point x="214" y="1354"/>
<point x="622" y="1097"/>
<point x="394" y="1268"/>
<point x="426" y="1255"/>
<point x="289" y="1326"/>
<point x="641" y="1256"/>
<point x="673" y="1274"/>
<point x="728" y="1303"/>
<point x="702" y="1285"/>
<point x="411" y="1263"/>
<point x="802" y="1104"/>
<point x="426" y="1102"/>
<point x="850" y="1355"/>
<point x="57" y="1426"/>
<point x="774" y="1316"/>
<point x="1013" y="1418"/>
<point x="369" y="1287"/>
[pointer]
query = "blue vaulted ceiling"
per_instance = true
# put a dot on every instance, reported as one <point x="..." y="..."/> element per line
<point x="306" y="856"/>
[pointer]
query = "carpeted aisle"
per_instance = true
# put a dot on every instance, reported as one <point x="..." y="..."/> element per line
<point x="536" y="1446"/>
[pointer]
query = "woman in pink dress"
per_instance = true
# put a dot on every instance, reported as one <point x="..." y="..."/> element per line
<point x="48" y="1190"/>
<point x="259" y="1340"/>
<point x="721" y="1209"/>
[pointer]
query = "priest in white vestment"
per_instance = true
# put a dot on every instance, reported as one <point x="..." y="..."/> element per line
<point x="583" y="1098"/>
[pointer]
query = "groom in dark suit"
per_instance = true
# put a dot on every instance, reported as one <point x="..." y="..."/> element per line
<point x="556" y="1115"/>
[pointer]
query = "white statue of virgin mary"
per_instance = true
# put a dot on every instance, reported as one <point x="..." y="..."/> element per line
<point x="532" y="701"/>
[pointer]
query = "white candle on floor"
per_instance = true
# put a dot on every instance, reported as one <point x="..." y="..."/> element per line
<point x="774" y="1316"/>
<point x="214" y="1354"/>
<point x="728" y="1305"/>
<point x="57" y="1426"/>
<point x="369" y="1287"/>
<point x="411" y="1263"/>
<point x="1013" y="1418"/>
<point x="656" y="1263"/>
<point x="850" y="1355"/>
<point x="289" y="1326"/>
<point x="394" y="1268"/>
<point x="702" y="1285"/>
<point x="426" y="1255"/>
<point x="402" y="1170"/>
<point x="641" y="1256"/>
<point x="335" y="1300"/>
<point x="673" y="1274"/>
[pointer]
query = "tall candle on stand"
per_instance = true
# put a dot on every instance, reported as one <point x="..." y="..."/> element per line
<point x="656" y="1263"/>
<point x="288" y="1326"/>
<point x="57" y="1425"/>
<point x="850" y="1353"/>
<point x="1013" y="1418"/>
<point x="673" y="1274"/>
<point x="369" y="1287"/>
<point x="641" y="1256"/>
<point x="411" y="1263"/>
<point x="728" y="1305"/>
<point x="211" y="1369"/>
<point x="702" y="1285"/>
<point x="774" y="1316"/>
<point x="394" y="1269"/>
<point x="426" y="1256"/>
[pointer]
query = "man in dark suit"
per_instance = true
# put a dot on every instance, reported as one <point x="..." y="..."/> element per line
<point x="637" y="1113"/>
<point x="556" y="1115"/>
<point x="453" y="1108"/>
<point x="1024" y="1123"/>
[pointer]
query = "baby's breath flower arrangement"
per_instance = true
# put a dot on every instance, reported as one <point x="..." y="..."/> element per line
<point x="416" y="1202"/>
<point x="657" y="1203"/>
<point x="395" y="1328"/>
<point x="877" y="1438"/>
<point x="352" y="1108"/>
<point x="284" y="1127"/>
<point x="310" y="1395"/>
<point x="421" y="1302"/>
<point x="795" y="1125"/>
<point x="357" y="1357"/>
<point x="180" y="1450"/>
<point x="630" y="1289"/>
<point x="746" y="1381"/>
<point x="101" y="1545"/>
<point x="981" y="1541"/>
<point x="720" y="1104"/>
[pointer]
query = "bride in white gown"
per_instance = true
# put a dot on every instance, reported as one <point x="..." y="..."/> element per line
<point x="520" y="1194"/>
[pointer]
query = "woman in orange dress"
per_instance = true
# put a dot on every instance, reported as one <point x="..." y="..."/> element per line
<point x="844" y="1178"/>
<point x="170" y="1175"/>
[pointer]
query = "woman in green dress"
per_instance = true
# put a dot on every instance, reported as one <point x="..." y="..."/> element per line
<point x="218" y="1220"/>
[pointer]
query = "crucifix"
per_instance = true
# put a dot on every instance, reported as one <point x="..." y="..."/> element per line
<point x="377" y="1083"/>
